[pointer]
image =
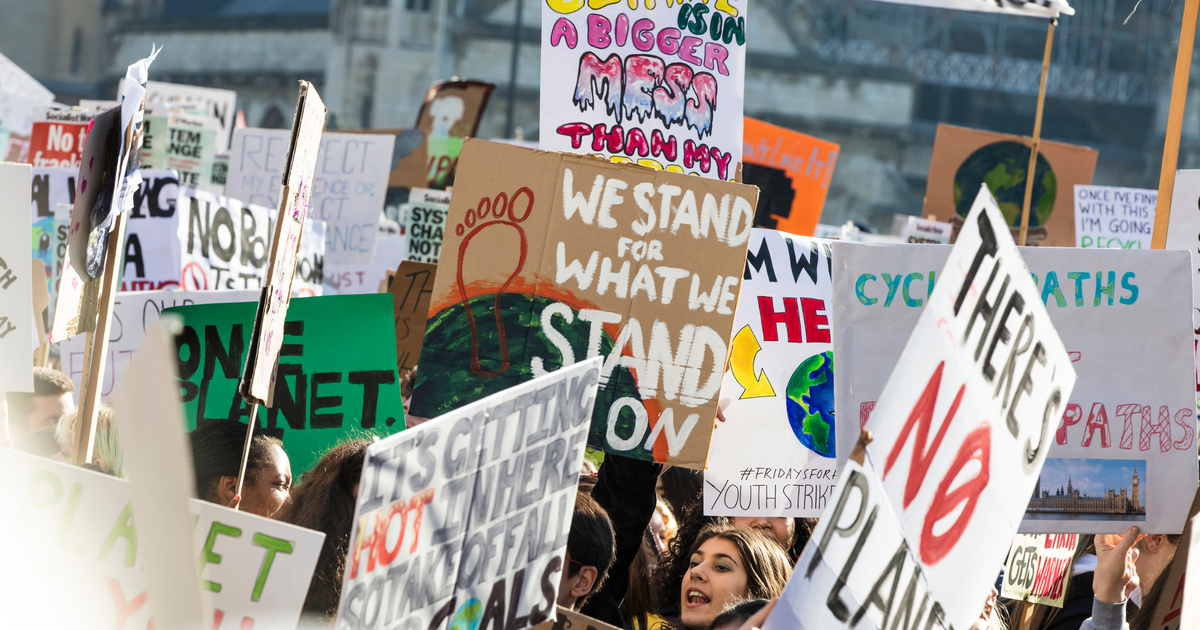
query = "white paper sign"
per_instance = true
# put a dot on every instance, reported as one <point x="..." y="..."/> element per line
<point x="352" y="279"/>
<point x="426" y="211"/>
<point x="775" y="454"/>
<point x="78" y="527"/>
<point x="1107" y="217"/>
<point x="1121" y="420"/>
<point x="441" y="487"/>
<point x="132" y="313"/>
<point x="16" y="285"/>
<point x="661" y="84"/>
<point x="152" y="258"/>
<point x="349" y="183"/>
<point x="1031" y="8"/>
<point x="218" y="103"/>
<point x="14" y="80"/>
<point x="918" y="230"/>
<point x="1183" y="232"/>
<point x="959" y="441"/>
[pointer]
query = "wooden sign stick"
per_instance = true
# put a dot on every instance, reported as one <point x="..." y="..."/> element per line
<point x="1166" y="177"/>
<point x="246" y="449"/>
<point x="1037" y="134"/>
<point x="97" y="344"/>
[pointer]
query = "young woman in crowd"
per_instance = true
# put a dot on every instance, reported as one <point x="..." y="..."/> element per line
<point x="722" y="566"/>
<point x="106" y="450"/>
<point x="324" y="501"/>
<point x="217" y="457"/>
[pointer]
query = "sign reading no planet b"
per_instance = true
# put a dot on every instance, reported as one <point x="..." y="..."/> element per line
<point x="336" y="376"/>
<point x="481" y="500"/>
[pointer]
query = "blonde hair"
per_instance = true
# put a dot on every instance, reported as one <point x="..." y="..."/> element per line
<point x="106" y="448"/>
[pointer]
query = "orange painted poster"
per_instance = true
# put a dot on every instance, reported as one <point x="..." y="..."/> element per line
<point x="792" y="170"/>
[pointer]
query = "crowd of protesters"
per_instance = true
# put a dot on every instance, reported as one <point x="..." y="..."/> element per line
<point x="641" y="554"/>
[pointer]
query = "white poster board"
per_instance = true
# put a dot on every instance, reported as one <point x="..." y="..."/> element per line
<point x="661" y="84"/>
<point x="79" y="534"/>
<point x="919" y="230"/>
<point x="1183" y="232"/>
<point x="349" y="183"/>
<point x="1107" y="217"/>
<point x="218" y="103"/>
<point x="427" y="211"/>
<point x="439" y="487"/>
<point x="16" y="285"/>
<point x="152" y="258"/>
<point x="365" y="278"/>
<point x="775" y="453"/>
<point x="1035" y="8"/>
<point x="951" y="466"/>
<point x="1120" y="418"/>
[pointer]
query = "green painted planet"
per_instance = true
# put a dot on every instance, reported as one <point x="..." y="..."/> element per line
<point x="1002" y="166"/>
<point x="810" y="404"/>
<point x="467" y="617"/>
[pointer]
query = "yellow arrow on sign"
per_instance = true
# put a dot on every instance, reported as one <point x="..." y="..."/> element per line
<point x="741" y="362"/>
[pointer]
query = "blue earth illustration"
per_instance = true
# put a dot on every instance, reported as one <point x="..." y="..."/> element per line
<point x="467" y="617"/>
<point x="810" y="404"/>
<point x="1002" y="166"/>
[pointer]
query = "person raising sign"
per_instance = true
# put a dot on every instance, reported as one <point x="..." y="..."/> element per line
<point x="217" y="457"/>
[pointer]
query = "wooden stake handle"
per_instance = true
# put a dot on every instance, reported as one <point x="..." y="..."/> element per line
<point x="246" y="448"/>
<point x="1037" y="134"/>
<point x="1166" y="177"/>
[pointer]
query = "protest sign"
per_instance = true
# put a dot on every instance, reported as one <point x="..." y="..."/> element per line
<point x="938" y="514"/>
<point x="1039" y="568"/>
<point x="16" y="126"/>
<point x="95" y="173"/>
<point x="58" y="137"/>
<point x="217" y="103"/>
<point x="411" y="289"/>
<point x="49" y="188"/>
<point x="152" y="256"/>
<point x="553" y="258"/>
<point x="132" y="312"/>
<point x="1171" y="612"/>
<point x="450" y="113"/>
<point x="14" y="80"/>
<point x="348" y="190"/>
<point x="464" y="492"/>
<point x="1123" y="446"/>
<point x="16" y="288"/>
<point x="336" y="378"/>
<point x="427" y="211"/>
<point x="962" y="158"/>
<point x="1030" y="8"/>
<point x="351" y="279"/>
<point x="602" y="68"/>
<point x="1183" y="232"/>
<point x="190" y="147"/>
<point x="775" y="453"/>
<point x="792" y="171"/>
<point x="1114" y="218"/>
<point x="79" y="524"/>
<point x="918" y="230"/>
<point x="567" y="619"/>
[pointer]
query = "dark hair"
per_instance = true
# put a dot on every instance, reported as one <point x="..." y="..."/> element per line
<point x="217" y="451"/>
<point x="324" y="501"/>
<point x="46" y="382"/>
<point x="804" y="530"/>
<point x="681" y="488"/>
<point x="767" y="565"/>
<point x="639" y="597"/>
<point x="591" y="542"/>
<point x="734" y="616"/>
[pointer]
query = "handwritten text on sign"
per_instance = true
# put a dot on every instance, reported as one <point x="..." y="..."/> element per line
<point x="1114" y="218"/>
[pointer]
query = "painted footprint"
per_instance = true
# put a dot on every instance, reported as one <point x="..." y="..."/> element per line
<point x="499" y="211"/>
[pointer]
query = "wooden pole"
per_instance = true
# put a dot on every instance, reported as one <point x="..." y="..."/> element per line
<point x="97" y="344"/>
<point x="1166" y="178"/>
<point x="1037" y="133"/>
<point x="246" y="448"/>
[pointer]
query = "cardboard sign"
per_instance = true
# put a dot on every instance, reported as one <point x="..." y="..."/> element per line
<point x="792" y="171"/>
<point x="1039" y="568"/>
<point x="348" y="191"/>
<point x="450" y="113"/>
<point x="218" y="103"/>
<point x="1123" y="446"/>
<point x="353" y="279"/>
<point x="16" y="285"/>
<point x="937" y="511"/>
<point x="918" y="230"/>
<point x="336" y="378"/>
<point x="554" y="258"/>
<point x="79" y="531"/>
<point x="567" y="619"/>
<point x="1044" y="8"/>
<point x="411" y="289"/>
<point x="775" y="454"/>
<point x="58" y="137"/>
<point x="448" y="482"/>
<point x="1108" y="217"/>
<point x="963" y="158"/>
<point x="427" y="211"/>
<point x="660" y="85"/>
<point x="132" y="313"/>
<point x="1183" y="232"/>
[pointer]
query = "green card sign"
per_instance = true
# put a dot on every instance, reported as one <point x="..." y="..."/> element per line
<point x="336" y="379"/>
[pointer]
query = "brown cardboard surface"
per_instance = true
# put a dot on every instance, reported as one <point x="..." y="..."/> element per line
<point x="568" y="619"/>
<point x="550" y="284"/>
<point x="1071" y="165"/>
<point x="411" y="286"/>
<point x="456" y="119"/>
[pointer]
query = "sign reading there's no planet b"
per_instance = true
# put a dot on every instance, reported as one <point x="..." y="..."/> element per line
<point x="1108" y="217"/>
<point x="336" y="378"/>
<point x="775" y="453"/>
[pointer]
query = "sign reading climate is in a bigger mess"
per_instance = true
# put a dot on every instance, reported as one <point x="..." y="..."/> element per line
<point x="660" y="84"/>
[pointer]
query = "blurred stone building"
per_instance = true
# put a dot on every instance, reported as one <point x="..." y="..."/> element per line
<point x="872" y="76"/>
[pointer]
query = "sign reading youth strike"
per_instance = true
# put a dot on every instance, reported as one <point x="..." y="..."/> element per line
<point x="550" y="259"/>
<point x="961" y="432"/>
<point x="480" y="501"/>
<point x="660" y="84"/>
<point x="775" y="453"/>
